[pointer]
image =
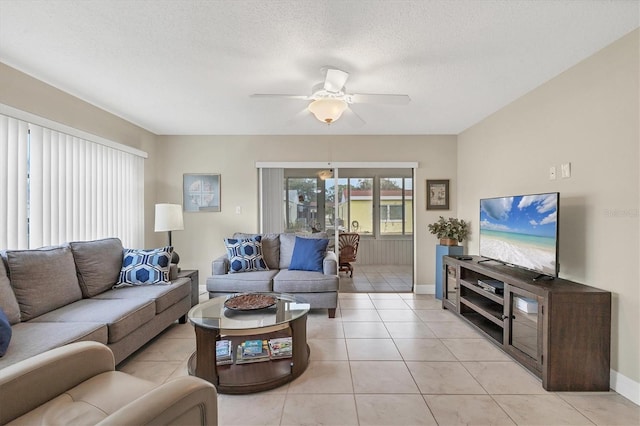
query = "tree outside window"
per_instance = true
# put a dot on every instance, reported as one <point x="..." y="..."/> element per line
<point x="310" y="204"/>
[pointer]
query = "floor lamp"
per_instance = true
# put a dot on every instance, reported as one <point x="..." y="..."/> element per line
<point x="169" y="218"/>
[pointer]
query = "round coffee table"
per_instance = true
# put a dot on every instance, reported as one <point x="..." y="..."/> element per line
<point x="212" y="320"/>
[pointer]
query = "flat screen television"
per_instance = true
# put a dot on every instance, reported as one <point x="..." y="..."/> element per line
<point x="521" y="231"/>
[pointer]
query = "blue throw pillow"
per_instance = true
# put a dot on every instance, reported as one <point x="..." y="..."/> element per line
<point x="144" y="267"/>
<point x="308" y="254"/>
<point x="245" y="254"/>
<point x="5" y="333"/>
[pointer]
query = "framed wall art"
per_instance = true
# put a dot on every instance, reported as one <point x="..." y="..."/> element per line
<point x="201" y="192"/>
<point x="438" y="194"/>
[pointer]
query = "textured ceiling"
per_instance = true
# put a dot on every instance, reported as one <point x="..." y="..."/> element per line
<point x="188" y="67"/>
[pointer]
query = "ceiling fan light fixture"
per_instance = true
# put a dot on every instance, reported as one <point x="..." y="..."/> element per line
<point x="325" y="174"/>
<point x="327" y="110"/>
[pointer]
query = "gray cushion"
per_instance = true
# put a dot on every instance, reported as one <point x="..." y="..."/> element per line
<point x="43" y="279"/>
<point x="122" y="316"/>
<point x="98" y="264"/>
<point x="288" y="242"/>
<point x="330" y="264"/>
<point x="270" y="247"/>
<point x="304" y="282"/>
<point x="173" y="272"/>
<point x="8" y="302"/>
<point x="247" y="281"/>
<point x="321" y="235"/>
<point x="165" y="296"/>
<point x="220" y="265"/>
<point x="32" y="338"/>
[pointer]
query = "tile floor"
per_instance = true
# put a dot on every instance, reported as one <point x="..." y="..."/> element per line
<point x="378" y="278"/>
<point x="393" y="359"/>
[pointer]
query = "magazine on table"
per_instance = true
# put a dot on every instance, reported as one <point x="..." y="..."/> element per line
<point x="252" y="351"/>
<point x="281" y="347"/>
<point x="224" y="350"/>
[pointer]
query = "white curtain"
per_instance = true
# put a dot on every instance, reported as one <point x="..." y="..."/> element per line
<point x="77" y="190"/>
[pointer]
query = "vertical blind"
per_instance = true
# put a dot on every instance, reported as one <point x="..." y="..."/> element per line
<point x="13" y="183"/>
<point x="272" y="213"/>
<point x="55" y="187"/>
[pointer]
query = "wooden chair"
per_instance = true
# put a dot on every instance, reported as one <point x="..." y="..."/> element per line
<point x="348" y="248"/>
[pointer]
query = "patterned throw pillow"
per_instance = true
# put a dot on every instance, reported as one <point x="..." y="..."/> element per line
<point x="144" y="267"/>
<point x="245" y="254"/>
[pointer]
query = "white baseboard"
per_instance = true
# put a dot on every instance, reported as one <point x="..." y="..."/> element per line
<point x="626" y="387"/>
<point x="425" y="289"/>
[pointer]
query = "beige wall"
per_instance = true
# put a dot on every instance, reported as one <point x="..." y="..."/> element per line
<point x="31" y="95"/>
<point x="589" y="116"/>
<point x="234" y="157"/>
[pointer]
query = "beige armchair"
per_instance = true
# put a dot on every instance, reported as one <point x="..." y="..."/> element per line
<point x="77" y="384"/>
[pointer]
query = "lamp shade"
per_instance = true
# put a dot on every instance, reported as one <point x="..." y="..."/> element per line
<point x="169" y="217"/>
<point x="327" y="110"/>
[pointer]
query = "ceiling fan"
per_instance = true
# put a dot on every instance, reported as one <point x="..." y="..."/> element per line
<point x="330" y="98"/>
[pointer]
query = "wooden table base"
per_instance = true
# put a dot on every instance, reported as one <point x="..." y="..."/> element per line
<point x="252" y="377"/>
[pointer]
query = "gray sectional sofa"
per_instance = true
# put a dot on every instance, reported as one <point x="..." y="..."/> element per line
<point x="58" y="295"/>
<point x="319" y="289"/>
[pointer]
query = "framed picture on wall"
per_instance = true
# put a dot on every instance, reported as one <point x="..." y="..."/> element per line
<point x="438" y="194"/>
<point x="201" y="192"/>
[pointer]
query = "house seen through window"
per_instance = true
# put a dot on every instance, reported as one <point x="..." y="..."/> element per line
<point x="368" y="205"/>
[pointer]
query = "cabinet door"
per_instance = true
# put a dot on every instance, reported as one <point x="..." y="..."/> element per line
<point x="523" y="326"/>
<point x="450" y="286"/>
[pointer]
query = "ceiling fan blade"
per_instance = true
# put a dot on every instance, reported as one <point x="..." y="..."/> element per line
<point x="374" y="98"/>
<point x="353" y="118"/>
<point x="298" y="117"/>
<point x="277" y="95"/>
<point x="335" y="79"/>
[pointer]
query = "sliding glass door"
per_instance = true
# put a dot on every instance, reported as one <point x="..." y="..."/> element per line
<point x="376" y="203"/>
<point x="302" y="195"/>
<point x="396" y="206"/>
<point x="355" y="204"/>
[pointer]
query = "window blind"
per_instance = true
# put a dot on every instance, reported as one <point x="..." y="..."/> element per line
<point x="13" y="183"/>
<point x="60" y="188"/>
<point x="272" y="208"/>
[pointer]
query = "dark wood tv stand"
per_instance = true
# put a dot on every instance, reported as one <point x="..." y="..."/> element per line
<point x="560" y="330"/>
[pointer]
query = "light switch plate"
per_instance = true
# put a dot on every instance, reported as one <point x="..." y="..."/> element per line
<point x="552" y="173"/>
<point x="566" y="170"/>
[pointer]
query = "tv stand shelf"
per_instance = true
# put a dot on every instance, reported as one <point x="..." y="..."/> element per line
<point x="487" y="311"/>
<point x="490" y="328"/>
<point x="560" y="330"/>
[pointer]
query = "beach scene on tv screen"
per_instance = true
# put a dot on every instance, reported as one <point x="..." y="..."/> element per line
<point x="520" y="231"/>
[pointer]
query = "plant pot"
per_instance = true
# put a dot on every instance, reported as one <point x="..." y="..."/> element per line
<point x="448" y="242"/>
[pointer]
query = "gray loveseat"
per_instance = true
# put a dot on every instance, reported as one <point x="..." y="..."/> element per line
<point x="319" y="289"/>
<point x="59" y="295"/>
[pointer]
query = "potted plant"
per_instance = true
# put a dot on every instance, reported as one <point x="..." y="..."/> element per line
<point x="450" y="231"/>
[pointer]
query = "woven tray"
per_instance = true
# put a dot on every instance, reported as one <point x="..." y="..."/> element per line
<point x="250" y="302"/>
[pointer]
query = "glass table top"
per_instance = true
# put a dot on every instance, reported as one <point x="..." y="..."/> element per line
<point x="213" y="314"/>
